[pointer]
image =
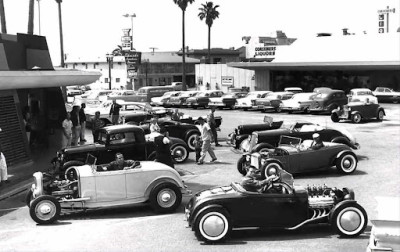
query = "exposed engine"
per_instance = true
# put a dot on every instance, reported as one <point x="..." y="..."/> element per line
<point x="63" y="189"/>
<point x="326" y="197"/>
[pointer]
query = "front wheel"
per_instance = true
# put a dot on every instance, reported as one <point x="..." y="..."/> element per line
<point x="268" y="169"/>
<point x="334" y="117"/>
<point x="213" y="225"/>
<point x="241" y="165"/>
<point x="45" y="209"/>
<point x="179" y="153"/>
<point x="165" y="198"/>
<point x="349" y="220"/>
<point x="380" y="115"/>
<point x="356" y="118"/>
<point x="346" y="163"/>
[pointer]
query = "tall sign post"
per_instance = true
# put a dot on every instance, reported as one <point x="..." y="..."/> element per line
<point x="383" y="20"/>
<point x="132" y="57"/>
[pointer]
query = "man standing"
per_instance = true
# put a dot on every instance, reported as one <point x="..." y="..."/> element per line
<point x="213" y="125"/>
<point x="82" y="118"/>
<point x="67" y="131"/>
<point x="96" y="124"/>
<point x="163" y="148"/>
<point x="206" y="137"/>
<point x="114" y="112"/>
<point x="76" y="125"/>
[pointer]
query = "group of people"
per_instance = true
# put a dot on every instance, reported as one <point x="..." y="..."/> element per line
<point x="74" y="126"/>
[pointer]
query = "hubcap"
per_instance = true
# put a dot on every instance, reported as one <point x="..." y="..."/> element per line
<point x="346" y="163"/>
<point x="350" y="221"/>
<point x="45" y="210"/>
<point x="166" y="198"/>
<point x="213" y="226"/>
<point x="179" y="154"/>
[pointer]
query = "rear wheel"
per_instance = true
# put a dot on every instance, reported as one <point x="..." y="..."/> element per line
<point x="356" y="118"/>
<point x="380" y="115"/>
<point x="278" y="109"/>
<point x="165" y="198"/>
<point x="45" y="209"/>
<point x="270" y="165"/>
<point x="179" y="153"/>
<point x="212" y="225"/>
<point x="350" y="219"/>
<point x="334" y="117"/>
<point x="190" y="140"/>
<point x="346" y="163"/>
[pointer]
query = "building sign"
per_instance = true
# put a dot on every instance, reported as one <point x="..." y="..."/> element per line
<point x="132" y="59"/>
<point x="227" y="80"/>
<point x="126" y="40"/>
<point x="383" y="19"/>
<point x="260" y="50"/>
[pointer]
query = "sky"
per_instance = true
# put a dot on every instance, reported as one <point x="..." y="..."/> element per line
<point x="93" y="28"/>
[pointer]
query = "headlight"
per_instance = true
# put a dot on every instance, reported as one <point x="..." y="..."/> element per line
<point x="263" y="162"/>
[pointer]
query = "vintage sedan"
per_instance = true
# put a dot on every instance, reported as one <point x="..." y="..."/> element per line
<point x="163" y="100"/>
<point x="213" y="213"/>
<point x="226" y="101"/>
<point x="272" y="101"/>
<point x="130" y="140"/>
<point x="180" y="100"/>
<point x="247" y="102"/>
<point x="362" y="95"/>
<point x="302" y="129"/>
<point x="358" y="111"/>
<point x="243" y="131"/>
<point x="203" y="98"/>
<point x="89" y="187"/>
<point x="300" y="102"/>
<point x="328" y="100"/>
<point x="295" y="156"/>
<point x="385" y="94"/>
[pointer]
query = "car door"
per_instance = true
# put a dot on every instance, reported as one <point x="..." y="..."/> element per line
<point x="137" y="180"/>
<point x="110" y="185"/>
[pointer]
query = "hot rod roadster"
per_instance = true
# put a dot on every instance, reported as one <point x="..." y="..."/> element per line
<point x="89" y="187"/>
<point x="213" y="213"/>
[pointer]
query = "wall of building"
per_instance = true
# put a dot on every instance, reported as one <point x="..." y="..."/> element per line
<point x="214" y="73"/>
<point x="262" y="80"/>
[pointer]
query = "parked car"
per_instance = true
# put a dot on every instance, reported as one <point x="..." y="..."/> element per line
<point x="226" y="101"/>
<point x="294" y="90"/>
<point x="186" y="132"/>
<point x="89" y="187"/>
<point x="146" y="93"/>
<point x="272" y="101"/>
<point x="247" y="102"/>
<point x="242" y="132"/>
<point x="130" y="112"/>
<point x="193" y="120"/>
<point x="201" y="99"/>
<point x="268" y="139"/>
<point x="299" y="102"/>
<point x="328" y="100"/>
<point x="384" y="94"/>
<point x="125" y="95"/>
<point x="213" y="213"/>
<point x="93" y="96"/>
<point x="295" y="155"/>
<point x="358" y="111"/>
<point x="163" y="100"/>
<point x="322" y="89"/>
<point x="177" y="85"/>
<point x="180" y="100"/>
<point x="362" y="95"/>
<point x="130" y="140"/>
<point x="73" y="90"/>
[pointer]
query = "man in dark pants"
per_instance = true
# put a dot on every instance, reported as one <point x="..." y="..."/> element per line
<point x="82" y="119"/>
<point x="114" y="112"/>
<point x="213" y="125"/>
<point x="76" y="125"/>
<point x="163" y="148"/>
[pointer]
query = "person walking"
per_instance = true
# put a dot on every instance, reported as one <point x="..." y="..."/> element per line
<point x="96" y="124"/>
<point x="206" y="136"/>
<point x="82" y="119"/>
<point x="197" y="147"/>
<point x="163" y="148"/>
<point x="213" y="126"/>
<point x="3" y="168"/>
<point x="76" y="125"/>
<point x="67" y="131"/>
<point x="114" y="112"/>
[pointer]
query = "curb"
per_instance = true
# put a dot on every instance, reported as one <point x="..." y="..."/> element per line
<point x="18" y="188"/>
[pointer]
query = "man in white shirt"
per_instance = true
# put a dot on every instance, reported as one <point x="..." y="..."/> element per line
<point x="67" y="131"/>
<point x="206" y="136"/>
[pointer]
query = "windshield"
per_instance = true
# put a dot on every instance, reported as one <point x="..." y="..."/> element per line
<point x="321" y="95"/>
<point x="302" y="97"/>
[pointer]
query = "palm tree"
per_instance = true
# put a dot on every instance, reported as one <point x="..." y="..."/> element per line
<point x="209" y="12"/>
<point x="3" y="17"/>
<point x="183" y="5"/>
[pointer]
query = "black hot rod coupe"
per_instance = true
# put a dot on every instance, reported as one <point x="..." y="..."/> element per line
<point x="213" y="213"/>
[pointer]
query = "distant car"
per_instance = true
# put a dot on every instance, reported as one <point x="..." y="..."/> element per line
<point x="385" y="94"/>
<point x="193" y="120"/>
<point x="268" y="139"/>
<point x="299" y="102"/>
<point x="93" y="96"/>
<point x="293" y="89"/>
<point x="362" y="95"/>
<point x="213" y="213"/>
<point x="202" y="98"/>
<point x="180" y="100"/>
<point x="126" y="95"/>
<point x="242" y="132"/>
<point x="130" y="140"/>
<point x="163" y="100"/>
<point x="226" y="101"/>
<point x="328" y="100"/>
<point x="130" y="112"/>
<point x="358" y="111"/>
<point x="74" y="90"/>
<point x="322" y="89"/>
<point x="295" y="155"/>
<point x="177" y="85"/>
<point x="89" y="187"/>
<point x="272" y="101"/>
<point x="248" y="101"/>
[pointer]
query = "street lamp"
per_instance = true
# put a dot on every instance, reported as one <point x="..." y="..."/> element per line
<point x="109" y="57"/>
<point x="131" y="16"/>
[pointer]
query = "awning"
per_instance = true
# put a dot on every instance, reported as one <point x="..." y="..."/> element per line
<point x="46" y="78"/>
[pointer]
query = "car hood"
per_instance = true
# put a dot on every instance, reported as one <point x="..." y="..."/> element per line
<point x="84" y="148"/>
<point x="215" y="192"/>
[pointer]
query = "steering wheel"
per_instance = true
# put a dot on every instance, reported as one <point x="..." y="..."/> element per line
<point x="270" y="185"/>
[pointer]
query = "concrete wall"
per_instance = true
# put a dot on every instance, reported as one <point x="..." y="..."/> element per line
<point x="213" y="73"/>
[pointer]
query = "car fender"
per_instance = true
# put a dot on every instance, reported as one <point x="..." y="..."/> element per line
<point x="344" y="152"/>
<point x="381" y="109"/>
<point x="159" y="181"/>
<point x="260" y="146"/>
<point x="191" y="131"/>
<point x="240" y="138"/>
<point x="340" y="139"/>
<point x="204" y="209"/>
<point x="356" y="112"/>
<point x="336" y="111"/>
<point x="270" y="160"/>
<point x="337" y="206"/>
